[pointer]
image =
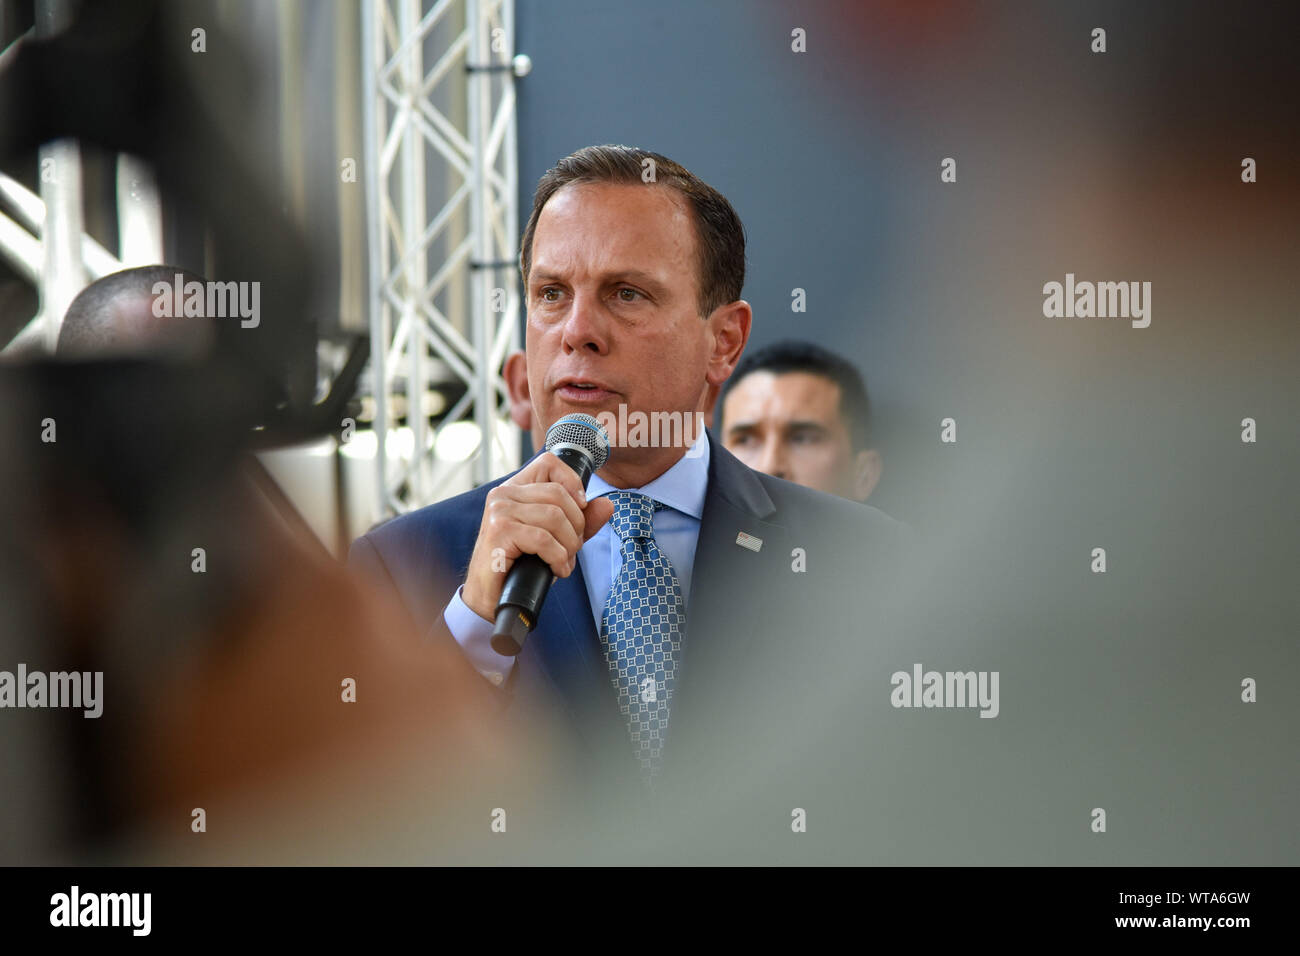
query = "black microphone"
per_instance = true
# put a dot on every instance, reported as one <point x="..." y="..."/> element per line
<point x="582" y="443"/>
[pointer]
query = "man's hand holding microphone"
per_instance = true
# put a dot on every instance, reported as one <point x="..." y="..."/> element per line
<point x="533" y="527"/>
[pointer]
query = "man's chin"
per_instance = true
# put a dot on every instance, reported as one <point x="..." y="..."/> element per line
<point x="606" y="411"/>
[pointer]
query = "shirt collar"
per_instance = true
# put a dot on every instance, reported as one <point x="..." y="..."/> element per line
<point x="682" y="487"/>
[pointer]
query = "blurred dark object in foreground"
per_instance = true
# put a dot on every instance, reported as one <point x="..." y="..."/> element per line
<point x="223" y="670"/>
<point x="133" y="542"/>
<point x="123" y="77"/>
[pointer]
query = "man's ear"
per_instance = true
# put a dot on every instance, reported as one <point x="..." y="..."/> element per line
<point x="867" y="467"/>
<point x="729" y="326"/>
<point x="515" y="373"/>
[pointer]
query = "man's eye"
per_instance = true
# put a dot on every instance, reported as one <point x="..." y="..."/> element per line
<point x="549" y="294"/>
<point x="628" y="295"/>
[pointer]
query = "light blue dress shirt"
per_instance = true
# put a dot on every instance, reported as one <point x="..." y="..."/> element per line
<point x="677" y="530"/>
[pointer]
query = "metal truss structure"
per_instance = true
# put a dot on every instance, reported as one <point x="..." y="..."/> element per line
<point x="43" y="239"/>
<point x="448" y="130"/>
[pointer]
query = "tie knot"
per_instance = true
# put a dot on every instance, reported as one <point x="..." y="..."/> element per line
<point x="633" y="514"/>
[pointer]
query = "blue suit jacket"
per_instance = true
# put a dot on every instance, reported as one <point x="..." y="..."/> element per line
<point x="765" y="630"/>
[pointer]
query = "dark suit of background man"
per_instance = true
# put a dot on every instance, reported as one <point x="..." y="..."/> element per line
<point x="633" y="297"/>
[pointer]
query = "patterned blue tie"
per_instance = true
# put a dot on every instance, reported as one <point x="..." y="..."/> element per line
<point x="642" y="629"/>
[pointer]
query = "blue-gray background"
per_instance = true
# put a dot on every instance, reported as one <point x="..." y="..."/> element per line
<point x="1119" y="690"/>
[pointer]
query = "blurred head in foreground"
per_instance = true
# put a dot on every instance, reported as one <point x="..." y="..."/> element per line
<point x="130" y="314"/>
<point x="796" y="411"/>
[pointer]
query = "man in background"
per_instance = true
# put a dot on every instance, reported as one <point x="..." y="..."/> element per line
<point x="793" y="410"/>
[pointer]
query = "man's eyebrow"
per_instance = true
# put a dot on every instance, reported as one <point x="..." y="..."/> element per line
<point x="634" y="275"/>
<point x="610" y="275"/>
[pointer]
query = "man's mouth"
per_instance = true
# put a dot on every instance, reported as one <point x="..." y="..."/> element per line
<point x="583" y="392"/>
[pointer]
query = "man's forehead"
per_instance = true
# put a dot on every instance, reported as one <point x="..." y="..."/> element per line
<point x="612" y="198"/>
<point x="783" y="395"/>
<point x="615" y="227"/>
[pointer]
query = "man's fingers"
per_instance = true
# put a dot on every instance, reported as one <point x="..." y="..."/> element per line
<point x="551" y="493"/>
<point x="547" y="467"/>
<point x="553" y="519"/>
<point x="542" y="543"/>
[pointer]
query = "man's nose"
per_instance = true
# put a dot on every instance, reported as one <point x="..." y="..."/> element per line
<point x="773" y="461"/>
<point x="584" y="326"/>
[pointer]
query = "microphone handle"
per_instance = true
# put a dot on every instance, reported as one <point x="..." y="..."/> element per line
<point x="529" y="578"/>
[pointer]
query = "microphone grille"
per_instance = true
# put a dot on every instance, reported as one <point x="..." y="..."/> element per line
<point x="585" y="432"/>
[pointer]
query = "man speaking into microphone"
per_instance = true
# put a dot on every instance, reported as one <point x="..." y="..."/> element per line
<point x="700" y="611"/>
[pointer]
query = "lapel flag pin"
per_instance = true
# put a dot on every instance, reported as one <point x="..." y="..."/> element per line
<point x="749" y="541"/>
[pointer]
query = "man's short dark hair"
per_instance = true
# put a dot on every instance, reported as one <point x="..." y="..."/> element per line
<point x="719" y="234"/>
<point x="792" y="356"/>
<point x="88" y="325"/>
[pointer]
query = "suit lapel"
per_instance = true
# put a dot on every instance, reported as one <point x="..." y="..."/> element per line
<point x="724" y="604"/>
<point x="571" y="656"/>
